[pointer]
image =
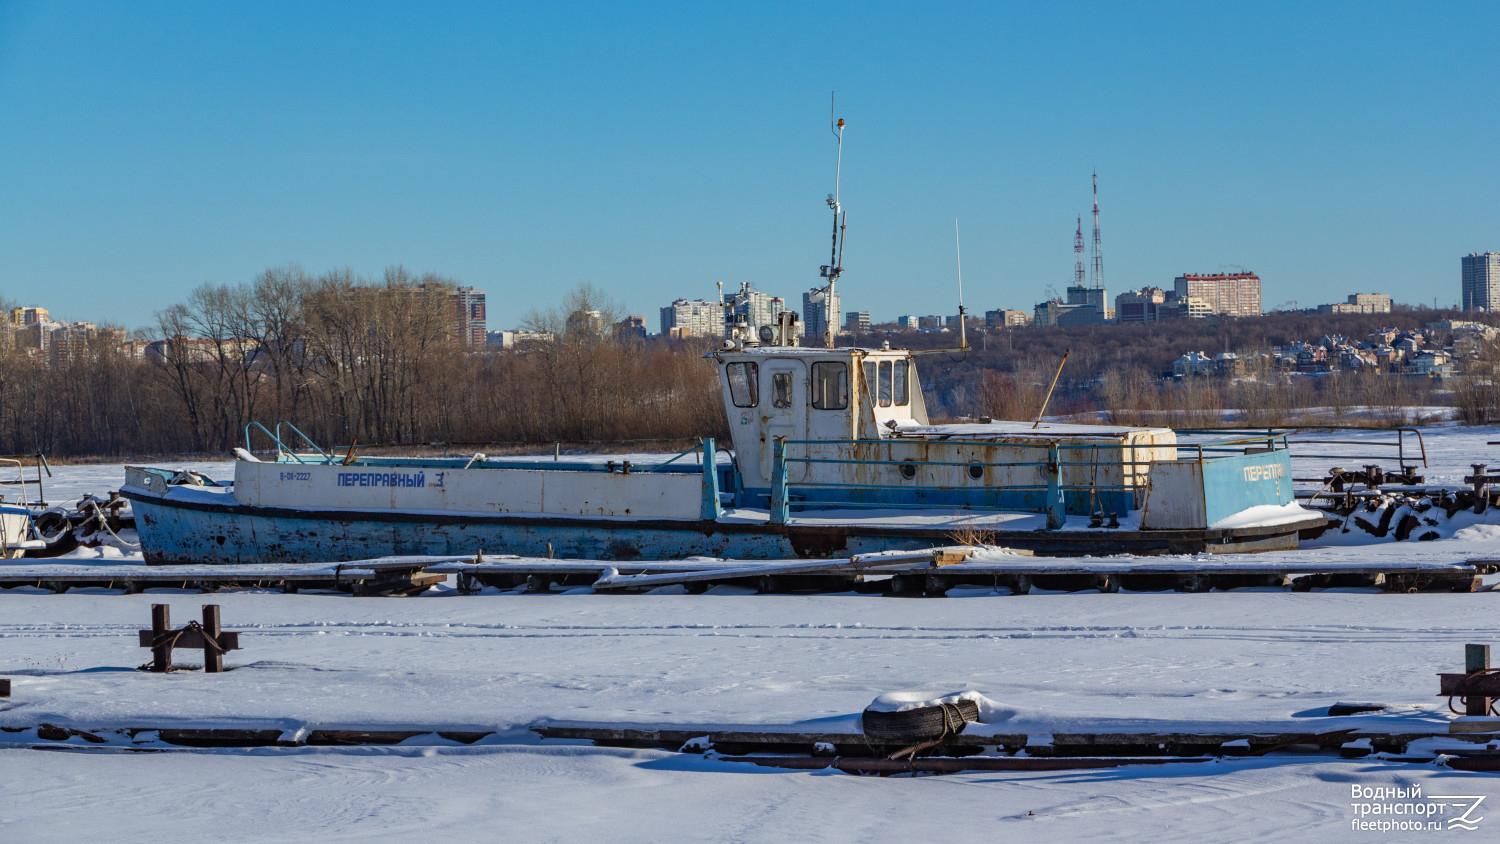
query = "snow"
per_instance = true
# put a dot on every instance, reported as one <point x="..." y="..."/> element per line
<point x="990" y="711"/>
<point x="1264" y="515"/>
<point x="1242" y="662"/>
<point x="1218" y="662"/>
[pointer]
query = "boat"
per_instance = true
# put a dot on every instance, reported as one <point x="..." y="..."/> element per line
<point x="831" y="453"/>
<point x="18" y="527"/>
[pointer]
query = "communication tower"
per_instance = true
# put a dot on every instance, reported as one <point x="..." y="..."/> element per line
<point x="1078" y="255"/>
<point x="1098" y="248"/>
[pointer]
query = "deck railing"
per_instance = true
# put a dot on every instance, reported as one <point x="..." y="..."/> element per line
<point x="281" y="447"/>
<point x="1315" y="450"/>
<point x="1055" y="466"/>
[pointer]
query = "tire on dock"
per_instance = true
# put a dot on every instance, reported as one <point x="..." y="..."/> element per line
<point x="923" y="723"/>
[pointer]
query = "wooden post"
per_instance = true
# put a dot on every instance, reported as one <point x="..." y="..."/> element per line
<point x="213" y="657"/>
<point x="1476" y="659"/>
<point x="161" y="652"/>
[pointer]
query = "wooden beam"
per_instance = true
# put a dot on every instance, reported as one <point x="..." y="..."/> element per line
<point x="161" y="651"/>
<point x="229" y="640"/>
<point x="835" y="566"/>
<point x="951" y="765"/>
<point x="213" y="640"/>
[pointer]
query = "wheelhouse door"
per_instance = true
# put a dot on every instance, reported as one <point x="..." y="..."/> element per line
<point x="784" y="410"/>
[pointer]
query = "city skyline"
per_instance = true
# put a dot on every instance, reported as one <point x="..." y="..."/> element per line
<point x="653" y="154"/>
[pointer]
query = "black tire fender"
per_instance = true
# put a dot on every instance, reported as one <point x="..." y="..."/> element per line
<point x="51" y="525"/>
<point x="923" y="723"/>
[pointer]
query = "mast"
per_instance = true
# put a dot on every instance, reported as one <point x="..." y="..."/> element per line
<point x="1078" y="275"/>
<point x="835" y="266"/>
<point x="1098" y="247"/>
<point x="958" y="255"/>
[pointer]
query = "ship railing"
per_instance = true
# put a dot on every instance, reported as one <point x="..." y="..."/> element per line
<point x="1315" y="451"/>
<point x="282" y="450"/>
<point x="1055" y="466"/>
<point x="20" y="480"/>
<point x="40" y="501"/>
<point x="662" y="466"/>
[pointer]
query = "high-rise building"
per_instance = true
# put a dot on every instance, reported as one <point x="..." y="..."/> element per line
<point x="28" y="316"/>
<point x="758" y="308"/>
<point x="633" y="325"/>
<point x="1140" y="305"/>
<point x="72" y="340"/>
<point x="1090" y="297"/>
<point x="857" y="322"/>
<point x="1056" y="313"/>
<point x="1230" y="294"/>
<point x="584" y="324"/>
<point x="1481" y="281"/>
<point x="511" y="340"/>
<point x="468" y="317"/>
<point x="910" y="322"/>
<point x="820" y="310"/>
<point x="692" y="318"/>
<point x="1360" y="303"/>
<point x="1006" y="318"/>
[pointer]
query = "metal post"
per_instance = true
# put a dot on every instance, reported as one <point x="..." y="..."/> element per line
<point x="161" y="652"/>
<point x="213" y="656"/>
<point x="1056" y="506"/>
<point x="1481" y="498"/>
<point x="1476" y="660"/>
<point x="711" y="509"/>
<point x="778" y="483"/>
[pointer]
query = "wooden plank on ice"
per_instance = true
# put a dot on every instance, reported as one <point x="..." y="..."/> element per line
<point x="192" y="637"/>
<point x="952" y="765"/>
<point x="836" y="566"/>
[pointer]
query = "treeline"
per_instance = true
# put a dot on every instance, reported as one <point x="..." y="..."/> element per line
<point x="375" y="361"/>
<point x="349" y="359"/>
<point x="1117" y="369"/>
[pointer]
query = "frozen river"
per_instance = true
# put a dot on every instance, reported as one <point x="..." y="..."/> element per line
<point x="1244" y="660"/>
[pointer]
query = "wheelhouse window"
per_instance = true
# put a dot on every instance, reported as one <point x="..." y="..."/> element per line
<point x="744" y="383"/>
<point x="830" y="385"/>
<point x="781" y="389"/>
<point x="900" y="390"/>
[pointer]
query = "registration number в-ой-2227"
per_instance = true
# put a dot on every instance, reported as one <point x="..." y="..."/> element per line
<point x="296" y="476"/>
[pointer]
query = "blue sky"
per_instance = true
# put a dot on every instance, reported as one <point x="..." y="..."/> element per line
<point x="654" y="149"/>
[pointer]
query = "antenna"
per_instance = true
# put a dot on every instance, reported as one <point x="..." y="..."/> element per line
<point x="835" y="266"/>
<point x="1078" y="255"/>
<point x="958" y="254"/>
<point x="1098" y="249"/>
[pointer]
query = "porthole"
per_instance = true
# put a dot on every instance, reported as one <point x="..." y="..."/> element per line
<point x="976" y="471"/>
<point x="908" y="470"/>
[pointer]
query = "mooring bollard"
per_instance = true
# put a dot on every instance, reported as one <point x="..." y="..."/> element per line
<point x="161" y="639"/>
<point x="4" y="688"/>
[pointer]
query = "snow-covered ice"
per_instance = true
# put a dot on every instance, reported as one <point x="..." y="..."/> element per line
<point x="1044" y="664"/>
